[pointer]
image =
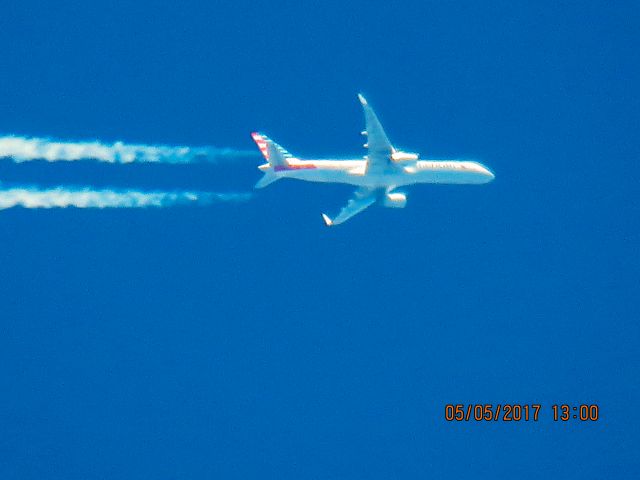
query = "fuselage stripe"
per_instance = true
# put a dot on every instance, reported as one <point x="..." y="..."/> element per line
<point x="281" y="168"/>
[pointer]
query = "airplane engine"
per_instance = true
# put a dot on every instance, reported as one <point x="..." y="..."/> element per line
<point x="395" y="200"/>
<point x="404" y="157"/>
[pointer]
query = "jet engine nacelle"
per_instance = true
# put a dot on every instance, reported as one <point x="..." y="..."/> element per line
<point x="395" y="200"/>
<point x="404" y="157"/>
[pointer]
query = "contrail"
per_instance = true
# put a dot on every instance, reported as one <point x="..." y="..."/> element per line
<point x="60" y="197"/>
<point x="23" y="149"/>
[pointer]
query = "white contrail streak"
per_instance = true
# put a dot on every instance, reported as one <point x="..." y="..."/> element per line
<point x="32" y="197"/>
<point x="23" y="149"/>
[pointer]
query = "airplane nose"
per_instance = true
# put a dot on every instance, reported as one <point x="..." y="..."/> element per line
<point x="489" y="174"/>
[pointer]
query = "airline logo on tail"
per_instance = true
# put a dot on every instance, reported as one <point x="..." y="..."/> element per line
<point x="261" y="141"/>
<point x="279" y="159"/>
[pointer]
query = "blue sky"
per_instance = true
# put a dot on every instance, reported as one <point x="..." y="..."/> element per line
<point x="248" y="340"/>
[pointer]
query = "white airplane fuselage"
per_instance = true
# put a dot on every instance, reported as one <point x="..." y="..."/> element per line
<point x="352" y="172"/>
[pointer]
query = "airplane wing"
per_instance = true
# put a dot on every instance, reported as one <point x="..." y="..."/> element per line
<point x="362" y="198"/>
<point x="378" y="144"/>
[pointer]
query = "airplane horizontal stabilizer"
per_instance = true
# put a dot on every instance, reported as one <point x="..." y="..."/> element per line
<point x="268" y="178"/>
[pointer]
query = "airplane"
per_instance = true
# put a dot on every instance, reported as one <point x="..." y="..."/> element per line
<point x="377" y="175"/>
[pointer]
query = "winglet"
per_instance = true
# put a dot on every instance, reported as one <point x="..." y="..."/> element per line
<point x="363" y="100"/>
<point x="327" y="221"/>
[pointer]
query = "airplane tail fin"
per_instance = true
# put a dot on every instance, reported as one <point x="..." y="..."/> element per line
<point x="277" y="159"/>
<point x="271" y="151"/>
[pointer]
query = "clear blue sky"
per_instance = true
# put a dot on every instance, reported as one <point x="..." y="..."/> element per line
<point x="250" y="341"/>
